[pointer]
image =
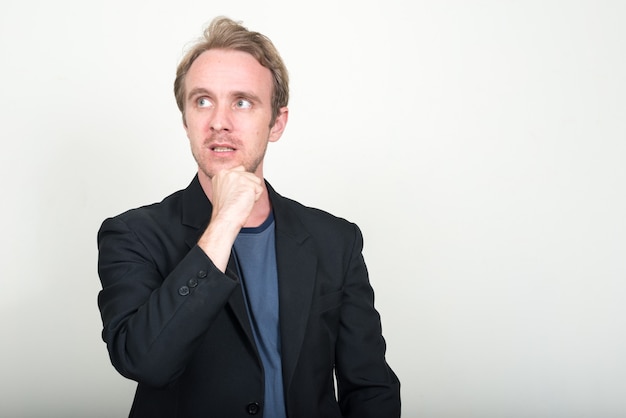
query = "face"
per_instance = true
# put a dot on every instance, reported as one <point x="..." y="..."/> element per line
<point x="228" y="111"/>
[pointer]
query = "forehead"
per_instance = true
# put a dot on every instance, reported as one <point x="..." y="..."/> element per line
<point x="223" y="71"/>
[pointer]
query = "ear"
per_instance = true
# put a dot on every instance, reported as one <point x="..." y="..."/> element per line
<point x="280" y="124"/>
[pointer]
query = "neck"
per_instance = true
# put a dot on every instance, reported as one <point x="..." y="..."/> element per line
<point x="260" y="211"/>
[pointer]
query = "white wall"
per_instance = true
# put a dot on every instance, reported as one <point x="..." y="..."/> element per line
<point x="480" y="145"/>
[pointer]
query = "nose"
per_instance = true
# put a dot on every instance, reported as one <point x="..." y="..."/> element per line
<point x="220" y="119"/>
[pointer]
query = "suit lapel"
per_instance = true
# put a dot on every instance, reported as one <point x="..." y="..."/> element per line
<point x="195" y="211"/>
<point x="297" y="265"/>
<point x="237" y="303"/>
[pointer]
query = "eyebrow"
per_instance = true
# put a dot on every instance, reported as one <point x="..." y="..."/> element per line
<point x="200" y="91"/>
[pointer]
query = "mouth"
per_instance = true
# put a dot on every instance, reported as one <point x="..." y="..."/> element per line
<point x="221" y="148"/>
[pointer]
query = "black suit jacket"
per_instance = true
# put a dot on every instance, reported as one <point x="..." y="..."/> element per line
<point x="178" y="326"/>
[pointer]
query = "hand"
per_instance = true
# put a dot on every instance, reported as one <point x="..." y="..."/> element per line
<point x="235" y="192"/>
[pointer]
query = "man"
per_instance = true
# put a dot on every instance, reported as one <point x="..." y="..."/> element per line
<point x="227" y="299"/>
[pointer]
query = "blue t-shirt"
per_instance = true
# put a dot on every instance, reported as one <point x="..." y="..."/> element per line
<point x="255" y="252"/>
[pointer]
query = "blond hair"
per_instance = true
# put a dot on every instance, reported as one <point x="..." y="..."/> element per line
<point x="224" y="33"/>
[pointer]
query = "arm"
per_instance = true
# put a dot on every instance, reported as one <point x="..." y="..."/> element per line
<point x="151" y="323"/>
<point x="234" y="194"/>
<point x="157" y="299"/>
<point x="367" y="386"/>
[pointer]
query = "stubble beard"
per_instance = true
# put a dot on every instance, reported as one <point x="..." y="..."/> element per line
<point x="211" y="168"/>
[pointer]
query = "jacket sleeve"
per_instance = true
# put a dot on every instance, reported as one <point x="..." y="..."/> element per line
<point x="367" y="387"/>
<point x="153" y="320"/>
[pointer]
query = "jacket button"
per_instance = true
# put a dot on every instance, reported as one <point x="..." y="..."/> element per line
<point x="253" y="408"/>
<point x="193" y="282"/>
<point x="183" y="291"/>
<point x="202" y="274"/>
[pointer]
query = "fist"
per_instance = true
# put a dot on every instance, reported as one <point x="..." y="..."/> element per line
<point x="235" y="191"/>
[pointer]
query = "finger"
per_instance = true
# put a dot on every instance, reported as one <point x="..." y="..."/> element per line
<point x="258" y="191"/>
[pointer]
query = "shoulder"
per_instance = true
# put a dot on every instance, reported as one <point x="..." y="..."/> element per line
<point x="314" y="214"/>
<point x="151" y="222"/>
<point x="317" y="222"/>
<point x="165" y="209"/>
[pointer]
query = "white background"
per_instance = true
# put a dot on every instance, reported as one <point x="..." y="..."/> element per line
<point x="480" y="146"/>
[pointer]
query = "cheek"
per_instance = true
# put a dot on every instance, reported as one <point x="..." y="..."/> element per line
<point x="195" y="120"/>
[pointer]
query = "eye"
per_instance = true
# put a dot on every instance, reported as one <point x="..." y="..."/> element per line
<point x="243" y="104"/>
<point x="203" y="102"/>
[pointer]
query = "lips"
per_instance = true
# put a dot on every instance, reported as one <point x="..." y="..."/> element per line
<point x="221" y="143"/>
